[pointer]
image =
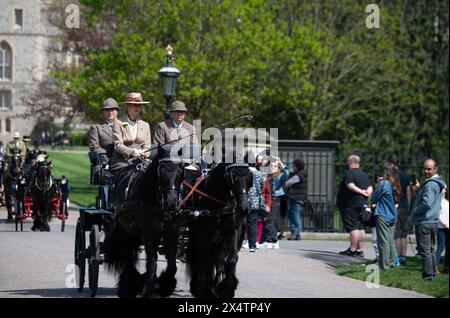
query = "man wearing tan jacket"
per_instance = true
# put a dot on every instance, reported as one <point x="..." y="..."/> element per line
<point x="132" y="136"/>
<point x="175" y="130"/>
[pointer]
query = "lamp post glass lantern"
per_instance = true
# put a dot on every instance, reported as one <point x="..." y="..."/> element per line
<point x="169" y="75"/>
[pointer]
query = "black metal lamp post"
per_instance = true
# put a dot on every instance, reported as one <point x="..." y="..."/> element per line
<point x="169" y="75"/>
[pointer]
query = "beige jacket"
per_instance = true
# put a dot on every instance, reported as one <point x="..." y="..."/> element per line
<point x="101" y="139"/>
<point x="167" y="132"/>
<point x="124" y="144"/>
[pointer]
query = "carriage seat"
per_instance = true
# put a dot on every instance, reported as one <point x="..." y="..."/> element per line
<point x="100" y="173"/>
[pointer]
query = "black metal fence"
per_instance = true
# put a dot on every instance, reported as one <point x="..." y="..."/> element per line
<point x="318" y="214"/>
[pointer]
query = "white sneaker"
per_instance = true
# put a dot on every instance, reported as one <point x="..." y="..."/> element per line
<point x="258" y="246"/>
<point x="275" y="245"/>
<point x="245" y="245"/>
<point x="267" y="245"/>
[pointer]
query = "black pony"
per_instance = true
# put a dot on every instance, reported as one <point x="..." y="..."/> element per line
<point x="43" y="189"/>
<point x="146" y="205"/>
<point x="215" y="234"/>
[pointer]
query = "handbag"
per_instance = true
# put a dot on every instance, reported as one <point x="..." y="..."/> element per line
<point x="368" y="217"/>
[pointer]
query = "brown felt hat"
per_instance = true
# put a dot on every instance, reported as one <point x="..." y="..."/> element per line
<point x="110" y="103"/>
<point x="178" y="106"/>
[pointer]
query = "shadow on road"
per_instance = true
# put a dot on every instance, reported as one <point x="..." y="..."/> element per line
<point x="332" y="259"/>
<point x="60" y="292"/>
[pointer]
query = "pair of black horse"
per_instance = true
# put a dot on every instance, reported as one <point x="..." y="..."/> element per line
<point x="149" y="208"/>
<point x="41" y="186"/>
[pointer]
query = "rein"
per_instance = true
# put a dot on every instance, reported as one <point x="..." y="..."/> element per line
<point x="248" y="117"/>
<point x="194" y="189"/>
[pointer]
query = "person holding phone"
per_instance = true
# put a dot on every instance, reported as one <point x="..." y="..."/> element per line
<point x="425" y="216"/>
<point x="402" y="226"/>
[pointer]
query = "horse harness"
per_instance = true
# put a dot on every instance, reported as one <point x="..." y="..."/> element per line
<point x="139" y="169"/>
<point x="134" y="204"/>
<point x="227" y="209"/>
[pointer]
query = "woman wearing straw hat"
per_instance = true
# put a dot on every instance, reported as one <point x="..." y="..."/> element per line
<point x="131" y="135"/>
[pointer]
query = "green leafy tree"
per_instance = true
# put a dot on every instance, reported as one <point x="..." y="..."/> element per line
<point x="311" y="68"/>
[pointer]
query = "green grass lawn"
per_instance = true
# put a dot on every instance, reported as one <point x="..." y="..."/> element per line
<point x="49" y="148"/>
<point x="76" y="168"/>
<point x="405" y="277"/>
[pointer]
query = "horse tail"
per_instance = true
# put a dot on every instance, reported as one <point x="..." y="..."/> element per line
<point x="200" y="256"/>
<point x="121" y="249"/>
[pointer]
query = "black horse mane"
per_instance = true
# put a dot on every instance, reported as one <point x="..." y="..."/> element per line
<point x="150" y="180"/>
<point x="215" y="186"/>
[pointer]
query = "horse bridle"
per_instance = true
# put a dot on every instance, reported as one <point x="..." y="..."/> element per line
<point x="36" y="181"/>
<point x="14" y="166"/>
<point x="229" y="169"/>
<point x="170" y="187"/>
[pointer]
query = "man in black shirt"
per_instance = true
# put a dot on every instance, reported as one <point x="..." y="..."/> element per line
<point x="354" y="190"/>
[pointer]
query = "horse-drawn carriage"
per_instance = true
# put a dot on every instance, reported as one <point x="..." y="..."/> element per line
<point x="26" y="208"/>
<point x="32" y="192"/>
<point x="197" y="214"/>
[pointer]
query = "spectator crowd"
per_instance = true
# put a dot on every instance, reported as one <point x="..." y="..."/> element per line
<point x="390" y="205"/>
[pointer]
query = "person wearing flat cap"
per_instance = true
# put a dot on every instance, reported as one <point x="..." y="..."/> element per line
<point x="100" y="136"/>
<point x="132" y="136"/>
<point x="175" y="130"/>
<point x="16" y="147"/>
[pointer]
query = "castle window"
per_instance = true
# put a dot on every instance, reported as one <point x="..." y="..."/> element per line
<point x="8" y="125"/>
<point x="18" y="16"/>
<point x="5" y="61"/>
<point x="5" y="100"/>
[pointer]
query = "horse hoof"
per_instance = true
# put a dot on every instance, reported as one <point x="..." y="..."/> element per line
<point x="226" y="288"/>
<point x="166" y="286"/>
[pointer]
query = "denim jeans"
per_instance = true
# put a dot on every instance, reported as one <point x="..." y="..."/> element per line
<point x="252" y="221"/>
<point x="293" y="214"/>
<point x="425" y="237"/>
<point x="269" y="233"/>
<point x="442" y="244"/>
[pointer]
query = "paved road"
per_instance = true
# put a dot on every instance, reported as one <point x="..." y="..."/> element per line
<point x="33" y="264"/>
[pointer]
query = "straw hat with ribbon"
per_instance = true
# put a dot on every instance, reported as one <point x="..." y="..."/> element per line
<point x="134" y="98"/>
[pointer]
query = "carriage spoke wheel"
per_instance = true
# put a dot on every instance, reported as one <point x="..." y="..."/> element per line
<point x="94" y="260"/>
<point x="80" y="256"/>
<point x="62" y="212"/>
<point x="18" y="215"/>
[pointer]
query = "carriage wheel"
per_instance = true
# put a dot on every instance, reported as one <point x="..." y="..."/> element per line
<point x="94" y="261"/>
<point x="21" y="207"/>
<point x="80" y="255"/>
<point x="18" y="215"/>
<point x="63" y="215"/>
